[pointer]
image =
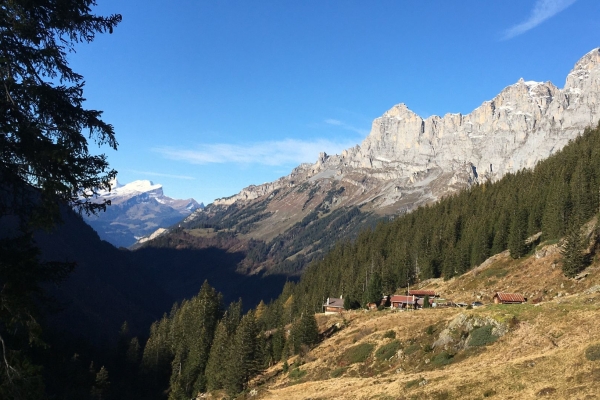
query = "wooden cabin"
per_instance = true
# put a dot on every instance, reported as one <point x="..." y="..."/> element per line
<point x="509" y="298"/>
<point x="401" y="301"/>
<point x="333" y="305"/>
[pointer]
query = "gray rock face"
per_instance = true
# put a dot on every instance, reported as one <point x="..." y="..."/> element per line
<point x="405" y="154"/>
<point x="457" y="333"/>
<point x="407" y="161"/>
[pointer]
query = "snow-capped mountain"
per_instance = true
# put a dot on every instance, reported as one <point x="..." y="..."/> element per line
<point x="137" y="209"/>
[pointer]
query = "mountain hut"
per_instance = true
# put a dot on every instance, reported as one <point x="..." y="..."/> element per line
<point x="509" y="298"/>
<point x="333" y="305"/>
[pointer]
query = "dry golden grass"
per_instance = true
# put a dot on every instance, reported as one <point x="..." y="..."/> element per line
<point x="542" y="356"/>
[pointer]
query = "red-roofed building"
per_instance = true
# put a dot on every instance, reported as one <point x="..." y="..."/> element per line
<point x="401" y="301"/>
<point x="509" y="298"/>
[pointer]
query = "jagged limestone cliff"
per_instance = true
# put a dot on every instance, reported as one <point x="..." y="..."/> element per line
<point x="407" y="161"/>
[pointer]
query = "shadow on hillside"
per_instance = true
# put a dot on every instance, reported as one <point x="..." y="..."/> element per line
<point x="109" y="286"/>
<point x="181" y="272"/>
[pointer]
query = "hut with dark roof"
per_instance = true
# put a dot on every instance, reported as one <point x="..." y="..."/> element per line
<point x="333" y="305"/>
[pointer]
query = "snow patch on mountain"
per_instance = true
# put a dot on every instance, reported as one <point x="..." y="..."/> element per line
<point x="137" y="210"/>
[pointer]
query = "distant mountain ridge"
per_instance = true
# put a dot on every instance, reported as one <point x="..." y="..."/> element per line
<point x="407" y="161"/>
<point x="137" y="209"/>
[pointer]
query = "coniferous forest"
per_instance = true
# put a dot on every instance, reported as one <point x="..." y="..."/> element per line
<point x="450" y="237"/>
<point x="199" y="346"/>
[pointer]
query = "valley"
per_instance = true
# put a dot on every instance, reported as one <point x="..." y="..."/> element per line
<point x="534" y="234"/>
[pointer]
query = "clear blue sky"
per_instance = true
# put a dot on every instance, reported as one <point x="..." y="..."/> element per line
<point x="208" y="97"/>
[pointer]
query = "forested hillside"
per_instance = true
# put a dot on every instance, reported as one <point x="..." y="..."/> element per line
<point x="198" y="347"/>
<point x="451" y="237"/>
<point x="287" y="252"/>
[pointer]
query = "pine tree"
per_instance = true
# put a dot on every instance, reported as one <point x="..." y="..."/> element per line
<point x="133" y="352"/>
<point x="243" y="361"/>
<point x="518" y="234"/>
<point x="44" y="160"/>
<point x="261" y="315"/>
<point x="215" y="372"/>
<point x="374" y="289"/>
<point x="558" y="210"/>
<point x="157" y="357"/>
<point x="278" y="343"/>
<point x="501" y="229"/>
<point x="101" y="385"/>
<point x="574" y="260"/>
<point x="426" y="302"/>
<point x="193" y="331"/>
<point x="304" y="332"/>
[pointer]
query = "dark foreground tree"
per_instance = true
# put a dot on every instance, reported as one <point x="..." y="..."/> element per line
<point x="43" y="124"/>
<point x="44" y="159"/>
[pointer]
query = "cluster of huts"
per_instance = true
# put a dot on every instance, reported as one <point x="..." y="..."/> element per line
<point x="415" y="299"/>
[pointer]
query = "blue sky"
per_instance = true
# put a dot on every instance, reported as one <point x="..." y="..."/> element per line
<point x="210" y="96"/>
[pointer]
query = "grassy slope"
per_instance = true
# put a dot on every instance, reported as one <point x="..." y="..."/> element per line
<point x="542" y="355"/>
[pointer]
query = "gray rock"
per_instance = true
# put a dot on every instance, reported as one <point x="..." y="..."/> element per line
<point x="407" y="161"/>
<point x="453" y="335"/>
<point x="593" y="289"/>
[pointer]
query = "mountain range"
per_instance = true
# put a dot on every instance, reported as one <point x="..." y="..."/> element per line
<point x="248" y="245"/>
<point x="137" y="209"/>
<point x="406" y="161"/>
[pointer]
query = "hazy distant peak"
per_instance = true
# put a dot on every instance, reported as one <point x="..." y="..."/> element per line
<point x="137" y="209"/>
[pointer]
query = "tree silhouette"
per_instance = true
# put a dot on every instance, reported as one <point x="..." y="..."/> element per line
<point x="44" y="157"/>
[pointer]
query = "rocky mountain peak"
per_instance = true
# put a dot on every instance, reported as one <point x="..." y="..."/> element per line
<point x="586" y="72"/>
<point x="400" y="111"/>
<point x="407" y="161"/>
